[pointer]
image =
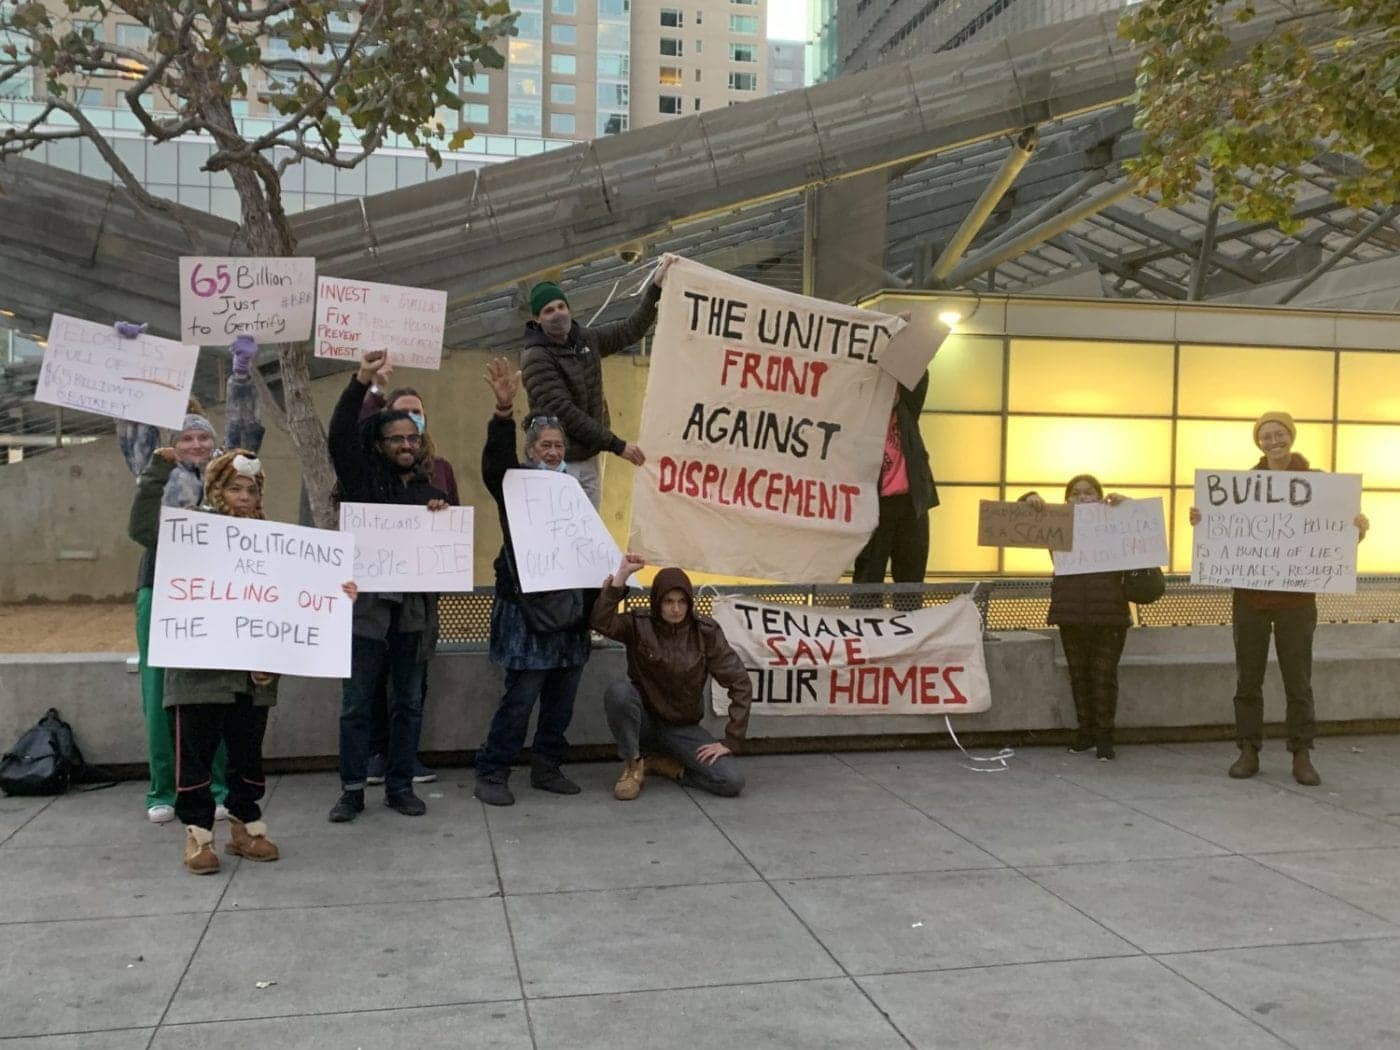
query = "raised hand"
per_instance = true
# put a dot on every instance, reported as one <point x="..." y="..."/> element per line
<point x="370" y="364"/>
<point x="504" y="380"/>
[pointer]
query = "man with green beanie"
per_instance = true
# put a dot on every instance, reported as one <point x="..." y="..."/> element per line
<point x="563" y="375"/>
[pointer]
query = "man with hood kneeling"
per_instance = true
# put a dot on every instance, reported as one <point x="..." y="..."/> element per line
<point x="654" y="714"/>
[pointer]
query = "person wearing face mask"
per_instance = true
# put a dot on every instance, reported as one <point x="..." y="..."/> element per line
<point x="1091" y="612"/>
<point x="654" y="713"/>
<point x="192" y="446"/>
<point x="563" y="373"/>
<point x="539" y="665"/>
<point x="1291" y="619"/>
<point x="381" y="461"/>
<point x="402" y="399"/>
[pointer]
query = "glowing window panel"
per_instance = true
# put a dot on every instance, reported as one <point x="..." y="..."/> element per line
<point x="1369" y="387"/>
<point x="1245" y="382"/>
<point x="1090" y="378"/>
<point x="1380" y="550"/>
<point x="963" y="448"/>
<point x="1216" y="444"/>
<point x="953" y="546"/>
<point x="1371" y="451"/>
<point x="965" y="375"/>
<point x="1181" y="531"/>
<point x="1049" y="451"/>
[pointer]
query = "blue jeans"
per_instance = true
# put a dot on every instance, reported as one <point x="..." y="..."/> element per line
<point x="367" y="658"/>
<point x="555" y="689"/>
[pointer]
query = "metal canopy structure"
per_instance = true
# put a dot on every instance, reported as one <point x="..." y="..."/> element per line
<point x="728" y="187"/>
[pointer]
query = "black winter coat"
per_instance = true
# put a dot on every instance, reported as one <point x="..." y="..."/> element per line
<point x="567" y="381"/>
<point x="1094" y="598"/>
<point x="907" y="406"/>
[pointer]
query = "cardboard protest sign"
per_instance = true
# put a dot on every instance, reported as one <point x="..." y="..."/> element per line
<point x="1010" y="523"/>
<point x="910" y="351"/>
<point x="270" y="299"/>
<point x="559" y="540"/>
<point x="246" y="595"/>
<point x="1276" y="530"/>
<point x="89" y="367"/>
<point x="410" y="549"/>
<point x="764" y="425"/>
<point x="355" y="316"/>
<point x="1131" y="535"/>
<point x="808" y="660"/>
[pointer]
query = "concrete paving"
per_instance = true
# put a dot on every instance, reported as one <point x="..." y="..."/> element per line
<point x="859" y="900"/>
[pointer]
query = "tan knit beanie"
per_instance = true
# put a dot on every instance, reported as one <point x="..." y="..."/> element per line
<point x="1283" y="419"/>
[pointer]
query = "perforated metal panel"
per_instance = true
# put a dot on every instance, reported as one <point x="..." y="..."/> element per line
<point x="1005" y="605"/>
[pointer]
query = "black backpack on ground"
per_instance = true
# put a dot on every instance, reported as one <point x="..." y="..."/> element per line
<point x="46" y="760"/>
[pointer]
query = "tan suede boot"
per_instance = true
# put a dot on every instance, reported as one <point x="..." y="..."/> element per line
<point x="629" y="785"/>
<point x="1247" y="764"/>
<point x="200" y="857"/>
<point x="249" y="840"/>
<point x="665" y="766"/>
<point x="1303" y="770"/>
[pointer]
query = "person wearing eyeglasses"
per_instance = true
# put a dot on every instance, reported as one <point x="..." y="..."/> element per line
<point x="563" y="374"/>
<point x="382" y="460"/>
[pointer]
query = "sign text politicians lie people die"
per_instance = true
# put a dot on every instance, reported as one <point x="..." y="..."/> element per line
<point x="764" y="425"/>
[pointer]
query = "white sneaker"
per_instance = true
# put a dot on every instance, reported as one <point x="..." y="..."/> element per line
<point x="160" y="814"/>
<point x="220" y="813"/>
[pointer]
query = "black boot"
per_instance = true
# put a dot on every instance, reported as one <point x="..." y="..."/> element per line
<point x="493" y="788"/>
<point x="406" y="802"/>
<point x="545" y="775"/>
<point x="350" y="805"/>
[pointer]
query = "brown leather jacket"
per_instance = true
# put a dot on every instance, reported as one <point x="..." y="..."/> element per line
<point x="669" y="663"/>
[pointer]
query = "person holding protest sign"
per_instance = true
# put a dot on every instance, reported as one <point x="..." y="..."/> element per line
<point x="194" y="444"/>
<point x="402" y="399"/>
<point x="215" y="709"/>
<point x="563" y="374"/>
<point x="1091" y="612"/>
<point x="907" y="494"/>
<point x="381" y="461"/>
<point x="542" y="648"/>
<point x="654" y="714"/>
<point x="1291" y="618"/>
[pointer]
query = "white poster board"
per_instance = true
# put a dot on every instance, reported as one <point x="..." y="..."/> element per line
<point x="763" y="426"/>
<point x="1276" y="530"/>
<point x="559" y="540"/>
<point x="247" y="595"/>
<point x="410" y="549"/>
<point x="270" y="299"/>
<point x="355" y="316"/>
<point x="1131" y="535"/>
<point x="807" y="660"/>
<point x="89" y="367"/>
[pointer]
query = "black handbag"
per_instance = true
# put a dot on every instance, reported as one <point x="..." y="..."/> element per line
<point x="1144" y="586"/>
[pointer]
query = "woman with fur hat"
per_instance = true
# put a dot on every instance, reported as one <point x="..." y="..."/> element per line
<point x="193" y="446"/>
<point x="1290" y="617"/>
<point x="654" y="713"/>
<point x="539" y="665"/>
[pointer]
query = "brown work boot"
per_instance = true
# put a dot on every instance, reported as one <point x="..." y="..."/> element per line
<point x="200" y="857"/>
<point x="1247" y="764"/>
<point x="629" y="785"/>
<point x="249" y="840"/>
<point x="1303" y="770"/>
<point x="665" y="766"/>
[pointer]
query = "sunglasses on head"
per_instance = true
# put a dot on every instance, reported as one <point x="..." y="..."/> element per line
<point x="542" y="421"/>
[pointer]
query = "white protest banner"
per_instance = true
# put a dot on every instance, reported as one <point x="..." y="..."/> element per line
<point x="1276" y="530"/>
<point x="1131" y="535"/>
<point x="270" y="299"/>
<point x="399" y="548"/>
<point x="559" y="540"/>
<point x="246" y="595"/>
<point x="808" y="660"/>
<point x="764" y="426"/>
<point x="89" y="367"/>
<point x="355" y="316"/>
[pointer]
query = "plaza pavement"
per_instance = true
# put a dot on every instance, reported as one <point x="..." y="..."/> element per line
<point x="861" y="900"/>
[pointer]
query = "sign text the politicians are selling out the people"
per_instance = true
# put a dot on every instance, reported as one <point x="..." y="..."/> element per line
<point x="764" y="423"/>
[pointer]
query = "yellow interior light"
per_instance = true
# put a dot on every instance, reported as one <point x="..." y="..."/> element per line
<point x="949" y="318"/>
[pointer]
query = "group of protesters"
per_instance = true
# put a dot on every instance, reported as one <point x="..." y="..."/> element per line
<point x="205" y="727"/>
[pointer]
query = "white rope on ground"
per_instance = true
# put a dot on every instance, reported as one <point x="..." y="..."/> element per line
<point x="993" y="763"/>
